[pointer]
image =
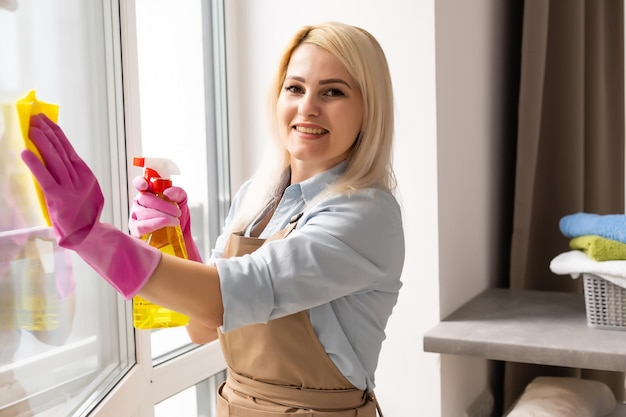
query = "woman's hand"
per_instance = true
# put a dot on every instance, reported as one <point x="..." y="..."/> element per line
<point x="75" y="201"/>
<point x="72" y="192"/>
<point x="149" y="213"/>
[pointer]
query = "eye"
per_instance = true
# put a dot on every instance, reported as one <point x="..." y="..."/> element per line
<point x="293" y="89"/>
<point x="334" y="92"/>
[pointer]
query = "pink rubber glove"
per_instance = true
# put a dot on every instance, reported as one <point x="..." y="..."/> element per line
<point x="75" y="202"/>
<point x="149" y="213"/>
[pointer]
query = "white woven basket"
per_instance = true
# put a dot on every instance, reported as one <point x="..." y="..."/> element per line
<point x="605" y="303"/>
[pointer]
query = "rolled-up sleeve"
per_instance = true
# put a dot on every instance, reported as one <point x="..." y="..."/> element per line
<point x="342" y="246"/>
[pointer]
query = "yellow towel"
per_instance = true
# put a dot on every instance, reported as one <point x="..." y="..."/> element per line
<point x="599" y="248"/>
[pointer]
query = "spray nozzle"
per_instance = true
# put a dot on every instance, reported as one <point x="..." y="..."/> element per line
<point x="157" y="172"/>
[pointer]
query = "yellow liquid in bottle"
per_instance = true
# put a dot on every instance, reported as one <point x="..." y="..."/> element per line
<point x="147" y="315"/>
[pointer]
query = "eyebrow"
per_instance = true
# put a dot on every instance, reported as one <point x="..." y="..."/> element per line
<point x="322" y="82"/>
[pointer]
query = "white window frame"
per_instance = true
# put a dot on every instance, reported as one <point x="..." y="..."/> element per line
<point x="144" y="386"/>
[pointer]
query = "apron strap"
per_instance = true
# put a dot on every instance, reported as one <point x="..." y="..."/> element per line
<point x="281" y="234"/>
<point x="375" y="400"/>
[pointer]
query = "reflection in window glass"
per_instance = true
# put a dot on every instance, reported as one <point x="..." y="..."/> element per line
<point x="197" y="401"/>
<point x="64" y="336"/>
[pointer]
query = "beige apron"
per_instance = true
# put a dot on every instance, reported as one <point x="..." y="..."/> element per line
<point x="281" y="368"/>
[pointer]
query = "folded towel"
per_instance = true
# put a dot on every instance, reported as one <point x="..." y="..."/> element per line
<point x="576" y="262"/>
<point x="599" y="248"/>
<point x="564" y="397"/>
<point x="610" y="226"/>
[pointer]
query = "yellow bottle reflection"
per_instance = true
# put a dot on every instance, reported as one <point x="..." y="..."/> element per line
<point x="36" y="302"/>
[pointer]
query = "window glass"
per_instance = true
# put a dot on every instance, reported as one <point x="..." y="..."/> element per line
<point x="172" y="93"/>
<point x="65" y="338"/>
<point x="197" y="401"/>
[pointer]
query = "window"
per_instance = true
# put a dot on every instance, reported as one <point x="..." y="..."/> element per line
<point x="175" y="124"/>
<point x="62" y="348"/>
<point x="67" y="342"/>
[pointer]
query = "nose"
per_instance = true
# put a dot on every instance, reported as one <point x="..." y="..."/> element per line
<point x="309" y="105"/>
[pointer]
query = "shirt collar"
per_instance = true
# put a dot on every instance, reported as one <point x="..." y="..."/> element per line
<point x="311" y="187"/>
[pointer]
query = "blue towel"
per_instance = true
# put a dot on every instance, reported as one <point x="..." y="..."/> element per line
<point x="609" y="226"/>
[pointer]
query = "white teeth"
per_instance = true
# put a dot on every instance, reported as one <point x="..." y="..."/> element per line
<point x="310" y="130"/>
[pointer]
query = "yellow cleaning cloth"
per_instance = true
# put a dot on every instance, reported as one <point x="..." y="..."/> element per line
<point x="20" y="205"/>
<point x="27" y="107"/>
<point x="599" y="248"/>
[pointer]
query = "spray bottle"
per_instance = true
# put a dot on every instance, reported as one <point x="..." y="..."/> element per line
<point x="147" y="315"/>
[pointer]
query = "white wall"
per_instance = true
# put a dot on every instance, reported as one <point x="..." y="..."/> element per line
<point x="407" y="378"/>
<point x="470" y="118"/>
<point x="471" y="138"/>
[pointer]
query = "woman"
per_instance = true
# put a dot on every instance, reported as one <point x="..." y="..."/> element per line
<point x="301" y="284"/>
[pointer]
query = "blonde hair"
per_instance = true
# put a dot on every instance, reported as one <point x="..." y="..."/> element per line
<point x="369" y="163"/>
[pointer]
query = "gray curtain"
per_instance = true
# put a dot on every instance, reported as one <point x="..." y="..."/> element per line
<point x="570" y="149"/>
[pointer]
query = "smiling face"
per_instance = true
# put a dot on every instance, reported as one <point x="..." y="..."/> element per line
<point x="319" y="111"/>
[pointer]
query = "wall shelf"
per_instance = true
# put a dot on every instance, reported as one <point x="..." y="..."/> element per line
<point x="547" y="328"/>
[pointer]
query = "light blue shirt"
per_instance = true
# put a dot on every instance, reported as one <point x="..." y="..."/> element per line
<point x="342" y="264"/>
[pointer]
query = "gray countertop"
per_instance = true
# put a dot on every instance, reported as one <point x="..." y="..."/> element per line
<point x="547" y="328"/>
